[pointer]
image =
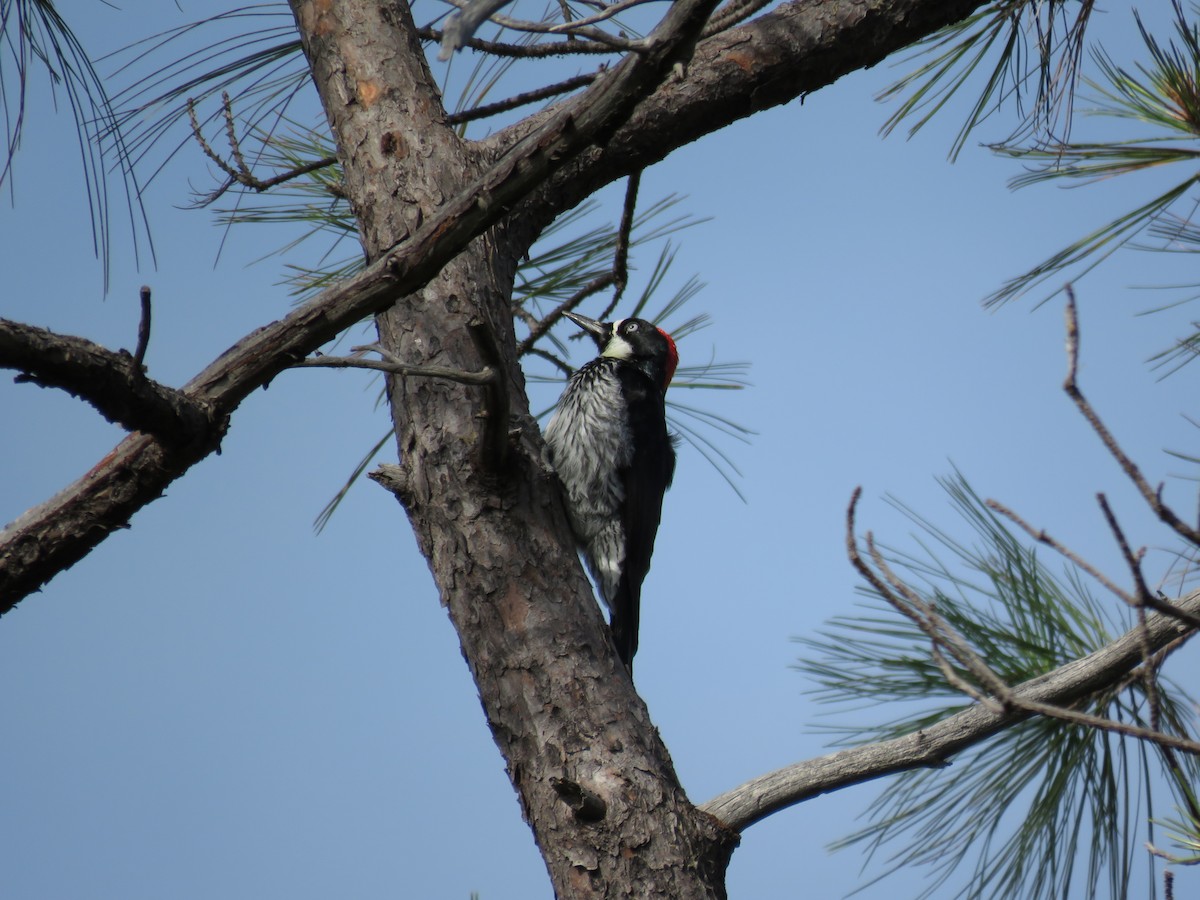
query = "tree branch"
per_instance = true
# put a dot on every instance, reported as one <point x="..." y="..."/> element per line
<point x="394" y="366"/>
<point x="55" y="535"/>
<point x="524" y="51"/>
<point x="523" y="99"/>
<point x="242" y="174"/>
<point x="494" y="446"/>
<point x="782" y="55"/>
<point x="1152" y="497"/>
<point x="471" y="14"/>
<point x="143" y="337"/>
<point x="113" y="382"/>
<point x="932" y="747"/>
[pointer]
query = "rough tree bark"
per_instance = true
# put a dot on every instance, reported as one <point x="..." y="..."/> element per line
<point x="595" y="781"/>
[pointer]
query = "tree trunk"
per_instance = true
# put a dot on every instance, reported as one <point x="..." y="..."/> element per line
<point x="595" y="781"/>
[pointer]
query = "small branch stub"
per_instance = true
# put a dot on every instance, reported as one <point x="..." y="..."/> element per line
<point x="143" y="336"/>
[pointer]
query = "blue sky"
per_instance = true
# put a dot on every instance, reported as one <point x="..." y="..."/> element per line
<point x="218" y="702"/>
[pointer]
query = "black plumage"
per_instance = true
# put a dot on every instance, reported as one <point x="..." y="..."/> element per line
<point x="609" y="443"/>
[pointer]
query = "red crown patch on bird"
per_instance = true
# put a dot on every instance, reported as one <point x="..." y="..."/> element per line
<point x="672" y="359"/>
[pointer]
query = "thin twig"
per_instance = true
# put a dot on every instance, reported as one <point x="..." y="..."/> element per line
<point x="470" y="14"/>
<point x="624" y="238"/>
<point x="528" y="319"/>
<point x="501" y="106"/>
<point x="915" y="608"/>
<point x="607" y="12"/>
<point x="552" y="359"/>
<point x="731" y="14"/>
<point x="1161" y="738"/>
<point x="565" y="8"/>
<point x="242" y="175"/>
<point x="216" y="159"/>
<point x="143" y="336"/>
<point x="393" y="366"/>
<point x="543" y="325"/>
<point x="1134" y="561"/>
<point x="936" y="628"/>
<point x="1041" y="536"/>
<point x="619" y="276"/>
<point x="231" y="136"/>
<point x="523" y="51"/>
<point x="959" y="683"/>
<point x="1152" y="497"/>
<point x="323" y="162"/>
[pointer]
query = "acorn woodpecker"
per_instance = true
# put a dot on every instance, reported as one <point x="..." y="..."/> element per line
<point x="609" y="444"/>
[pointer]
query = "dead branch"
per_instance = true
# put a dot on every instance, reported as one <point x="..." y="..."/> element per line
<point x="471" y="14"/>
<point x="519" y="100"/>
<point x="1152" y="496"/>
<point x="393" y="366"/>
<point x="910" y="604"/>
<point x="1000" y="695"/>
<point x="934" y="746"/>
<point x="1041" y="536"/>
<point x="495" y="442"/>
<point x="620" y="269"/>
<point x="112" y="382"/>
<point x="618" y="277"/>
<point x="242" y="174"/>
<point x="552" y="359"/>
<point x="607" y="11"/>
<point x="1140" y="596"/>
<point x="732" y="13"/>
<point x="538" y="330"/>
<point x="523" y="51"/>
<point x="143" y="336"/>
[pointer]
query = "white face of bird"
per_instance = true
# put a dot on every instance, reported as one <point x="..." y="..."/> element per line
<point x="618" y="346"/>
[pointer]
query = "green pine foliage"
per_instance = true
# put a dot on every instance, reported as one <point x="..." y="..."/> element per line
<point x="1045" y="809"/>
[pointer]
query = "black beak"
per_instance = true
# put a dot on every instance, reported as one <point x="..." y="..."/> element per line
<point x="600" y="331"/>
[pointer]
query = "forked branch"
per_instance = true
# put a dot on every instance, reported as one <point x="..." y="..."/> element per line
<point x="241" y="172"/>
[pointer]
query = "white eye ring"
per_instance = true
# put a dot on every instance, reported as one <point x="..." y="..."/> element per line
<point x="632" y="326"/>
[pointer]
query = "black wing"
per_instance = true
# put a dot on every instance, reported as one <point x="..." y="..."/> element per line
<point x="645" y="481"/>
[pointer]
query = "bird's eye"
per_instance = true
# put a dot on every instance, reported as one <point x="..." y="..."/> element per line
<point x="632" y="326"/>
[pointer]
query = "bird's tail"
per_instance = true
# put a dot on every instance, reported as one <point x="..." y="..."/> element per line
<point x="625" y="611"/>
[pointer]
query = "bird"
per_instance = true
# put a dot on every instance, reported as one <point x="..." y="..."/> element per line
<point x="608" y="441"/>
